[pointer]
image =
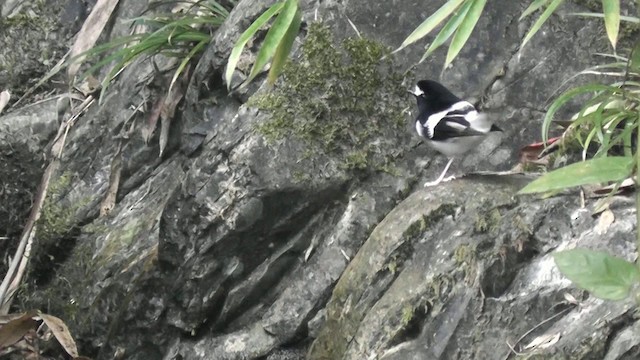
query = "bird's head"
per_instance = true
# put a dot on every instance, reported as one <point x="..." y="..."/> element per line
<point x="434" y="94"/>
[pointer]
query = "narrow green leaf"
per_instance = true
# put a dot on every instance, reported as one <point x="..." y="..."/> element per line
<point x="244" y="38"/>
<point x="282" y="53"/>
<point x="635" y="58"/>
<point x="603" y="275"/>
<point x="194" y="51"/>
<point x="464" y="30"/>
<point x="448" y="29"/>
<point x="273" y="38"/>
<point x="541" y="20"/>
<point x="533" y="7"/>
<point x="631" y="19"/>
<point x="430" y="23"/>
<point x="611" y="11"/>
<point x="564" y="98"/>
<point x="591" y="171"/>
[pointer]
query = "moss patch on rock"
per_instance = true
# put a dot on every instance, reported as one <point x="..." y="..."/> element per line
<point x="33" y="41"/>
<point x="345" y="101"/>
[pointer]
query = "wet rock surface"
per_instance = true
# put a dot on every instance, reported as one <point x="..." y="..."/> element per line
<point x="237" y="245"/>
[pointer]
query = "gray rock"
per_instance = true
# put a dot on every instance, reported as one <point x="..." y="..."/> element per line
<point x="240" y="245"/>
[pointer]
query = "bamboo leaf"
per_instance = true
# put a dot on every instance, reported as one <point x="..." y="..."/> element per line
<point x="631" y="19"/>
<point x="464" y="30"/>
<point x="273" y="38"/>
<point x="196" y="49"/>
<point x="599" y="170"/>
<point x="604" y="276"/>
<point x="564" y="98"/>
<point x="430" y="23"/>
<point x="448" y="29"/>
<point x="533" y="7"/>
<point x="611" y="11"/>
<point x="541" y="20"/>
<point x="282" y="53"/>
<point x="244" y="38"/>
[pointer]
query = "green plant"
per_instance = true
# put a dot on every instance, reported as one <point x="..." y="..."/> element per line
<point x="464" y="14"/>
<point x="182" y="35"/>
<point x="277" y="43"/>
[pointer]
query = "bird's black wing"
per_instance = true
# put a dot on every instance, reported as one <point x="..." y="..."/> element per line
<point x="451" y="123"/>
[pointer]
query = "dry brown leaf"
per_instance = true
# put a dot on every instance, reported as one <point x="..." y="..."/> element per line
<point x="626" y="185"/>
<point x="5" y="96"/>
<point x="16" y="329"/>
<point x="61" y="332"/>
<point x="91" y="30"/>
<point x="167" y="112"/>
<point x="109" y="201"/>
<point x="542" y="342"/>
<point x="606" y="219"/>
<point x="152" y="121"/>
<point x="88" y="86"/>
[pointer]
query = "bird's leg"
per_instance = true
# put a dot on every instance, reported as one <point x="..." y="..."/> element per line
<point x="441" y="178"/>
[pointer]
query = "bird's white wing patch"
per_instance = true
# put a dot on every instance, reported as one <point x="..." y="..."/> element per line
<point x="460" y="106"/>
<point x="432" y="121"/>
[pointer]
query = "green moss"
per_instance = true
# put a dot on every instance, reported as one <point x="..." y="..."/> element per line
<point x="344" y="101"/>
<point x="356" y="160"/>
<point x="465" y="258"/>
<point x="57" y="219"/>
<point x="407" y="315"/>
<point x="416" y="228"/>
<point x="392" y="267"/>
<point x="488" y="222"/>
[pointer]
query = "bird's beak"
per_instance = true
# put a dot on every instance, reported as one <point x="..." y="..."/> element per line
<point x="411" y="92"/>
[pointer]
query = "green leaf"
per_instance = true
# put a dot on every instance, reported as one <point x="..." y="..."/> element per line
<point x="635" y="58"/>
<point x="196" y="49"/>
<point x="464" y="30"/>
<point x="533" y="7"/>
<point x="273" y="38"/>
<point x="430" y="23"/>
<point x="448" y="29"/>
<point x="541" y="20"/>
<point x="564" y="98"/>
<point x="244" y="38"/>
<point x="631" y="19"/>
<point x="282" y="53"/>
<point x="611" y="10"/>
<point x="604" y="276"/>
<point x="591" y="171"/>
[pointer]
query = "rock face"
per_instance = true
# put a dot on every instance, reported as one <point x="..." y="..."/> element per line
<point x="291" y="223"/>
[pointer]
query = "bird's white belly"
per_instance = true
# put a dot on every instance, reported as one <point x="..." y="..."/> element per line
<point x="455" y="146"/>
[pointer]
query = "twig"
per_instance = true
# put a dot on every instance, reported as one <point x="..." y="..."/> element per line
<point x="18" y="265"/>
<point x="534" y="328"/>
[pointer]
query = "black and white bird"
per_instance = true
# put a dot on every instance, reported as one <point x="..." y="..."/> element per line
<point x="450" y="125"/>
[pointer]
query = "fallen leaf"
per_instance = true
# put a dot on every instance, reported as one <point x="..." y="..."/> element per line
<point x="570" y="299"/>
<point x="152" y="121"/>
<point x="61" y="332"/>
<point x="90" y="31"/>
<point x="627" y="184"/>
<point x="606" y="219"/>
<point x="109" y="201"/>
<point x="535" y="153"/>
<point x="542" y="342"/>
<point x="16" y="329"/>
<point x="5" y="96"/>
<point x="168" y="111"/>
